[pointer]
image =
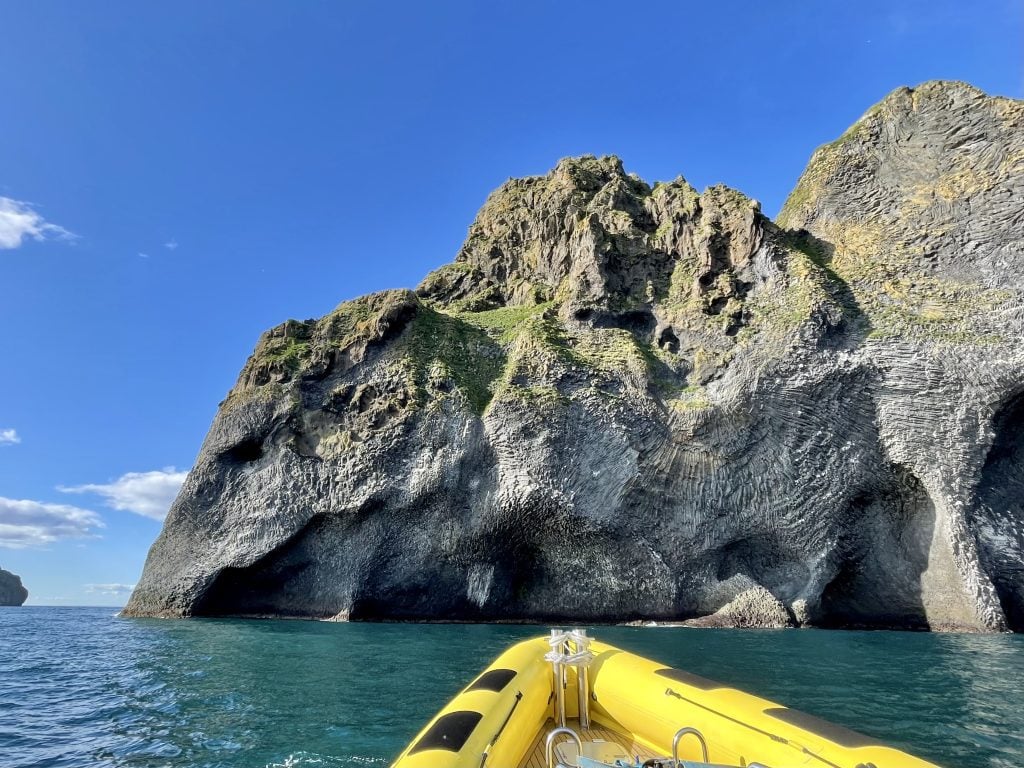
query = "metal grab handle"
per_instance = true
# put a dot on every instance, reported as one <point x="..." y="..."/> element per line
<point x="549" y="745"/>
<point x="582" y="678"/>
<point x="675" y="744"/>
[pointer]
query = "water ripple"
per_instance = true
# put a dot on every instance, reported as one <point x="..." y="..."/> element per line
<point x="81" y="687"/>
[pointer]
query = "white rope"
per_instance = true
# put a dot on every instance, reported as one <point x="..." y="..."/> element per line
<point x="557" y="655"/>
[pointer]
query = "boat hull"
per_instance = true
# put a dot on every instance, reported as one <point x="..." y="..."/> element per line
<point x="497" y="719"/>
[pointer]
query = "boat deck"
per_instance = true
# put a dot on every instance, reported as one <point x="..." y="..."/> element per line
<point x="535" y="754"/>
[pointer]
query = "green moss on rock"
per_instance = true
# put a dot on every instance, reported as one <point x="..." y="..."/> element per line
<point x="442" y="347"/>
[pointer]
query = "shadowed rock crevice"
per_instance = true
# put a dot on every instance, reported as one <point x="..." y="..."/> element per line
<point x="849" y="327"/>
<point x="249" y="450"/>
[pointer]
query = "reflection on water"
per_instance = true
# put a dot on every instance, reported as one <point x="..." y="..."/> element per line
<point x="81" y="687"/>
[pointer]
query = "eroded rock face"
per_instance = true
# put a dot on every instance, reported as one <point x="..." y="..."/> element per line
<point x="753" y="607"/>
<point x="633" y="402"/>
<point x="12" y="592"/>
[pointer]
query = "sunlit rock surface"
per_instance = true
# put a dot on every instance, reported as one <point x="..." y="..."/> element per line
<point x="632" y="402"/>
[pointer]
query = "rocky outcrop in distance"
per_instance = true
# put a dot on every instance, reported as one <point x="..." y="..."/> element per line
<point x="626" y="401"/>
<point x="12" y="592"/>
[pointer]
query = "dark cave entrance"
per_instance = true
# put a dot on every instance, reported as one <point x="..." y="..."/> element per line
<point x="877" y="582"/>
<point x="277" y="584"/>
<point x="247" y="451"/>
<point x="1001" y="510"/>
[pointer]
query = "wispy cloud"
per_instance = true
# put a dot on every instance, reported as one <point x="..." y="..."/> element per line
<point x="25" y="523"/>
<point x="20" y="221"/>
<point x="171" y="244"/>
<point x="149" y="494"/>
<point x="9" y="437"/>
<point x="113" y="590"/>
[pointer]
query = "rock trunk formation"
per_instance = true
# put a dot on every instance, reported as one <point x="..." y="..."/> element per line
<point x="625" y="401"/>
<point x="12" y="592"/>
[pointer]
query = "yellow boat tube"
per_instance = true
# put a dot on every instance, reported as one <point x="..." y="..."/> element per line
<point x="635" y="709"/>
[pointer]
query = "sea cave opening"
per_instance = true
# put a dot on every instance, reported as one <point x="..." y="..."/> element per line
<point x="1001" y="510"/>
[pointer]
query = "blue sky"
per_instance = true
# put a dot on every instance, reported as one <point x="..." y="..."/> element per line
<point x="175" y="178"/>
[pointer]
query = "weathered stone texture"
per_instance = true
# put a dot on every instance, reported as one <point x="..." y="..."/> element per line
<point x="12" y="592"/>
<point x="622" y="401"/>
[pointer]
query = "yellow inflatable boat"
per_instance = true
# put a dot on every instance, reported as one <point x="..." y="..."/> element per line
<point x="569" y="701"/>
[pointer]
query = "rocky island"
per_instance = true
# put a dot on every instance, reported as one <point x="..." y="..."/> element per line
<point x="626" y="401"/>
<point x="12" y="591"/>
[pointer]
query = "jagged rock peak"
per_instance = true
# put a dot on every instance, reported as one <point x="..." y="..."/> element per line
<point x="929" y="177"/>
<point x="340" y="339"/>
<point x="916" y="202"/>
<point x="587" y="233"/>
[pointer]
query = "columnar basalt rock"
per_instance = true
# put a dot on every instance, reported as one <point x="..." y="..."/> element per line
<point x="631" y="402"/>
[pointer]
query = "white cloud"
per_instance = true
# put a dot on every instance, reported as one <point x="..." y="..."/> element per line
<point x="9" y="437"/>
<point x="114" y="590"/>
<point x="149" y="494"/>
<point x="171" y="244"/>
<point x="143" y="255"/>
<point x="19" y="220"/>
<point x="25" y="523"/>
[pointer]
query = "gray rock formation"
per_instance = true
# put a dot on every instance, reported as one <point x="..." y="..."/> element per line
<point x="12" y="592"/>
<point x="633" y="402"/>
<point x="755" y="606"/>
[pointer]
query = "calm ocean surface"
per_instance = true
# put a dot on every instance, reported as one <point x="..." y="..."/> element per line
<point x="79" y="687"/>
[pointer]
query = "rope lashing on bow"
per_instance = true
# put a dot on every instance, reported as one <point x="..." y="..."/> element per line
<point x="560" y="642"/>
<point x="570" y="649"/>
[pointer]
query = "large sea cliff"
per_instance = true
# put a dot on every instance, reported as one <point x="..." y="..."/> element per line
<point x="635" y="401"/>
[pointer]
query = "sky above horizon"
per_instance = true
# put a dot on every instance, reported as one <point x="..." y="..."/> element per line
<point x="176" y="178"/>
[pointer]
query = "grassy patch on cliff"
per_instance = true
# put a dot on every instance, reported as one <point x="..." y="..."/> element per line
<point x="692" y="398"/>
<point x="537" y="396"/>
<point x="505" y="322"/>
<point x="616" y="350"/>
<point x="442" y="346"/>
<point x="818" y="270"/>
<point x="287" y="354"/>
<point x="883" y="283"/>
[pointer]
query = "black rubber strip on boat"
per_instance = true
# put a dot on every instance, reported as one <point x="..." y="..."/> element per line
<point x="493" y="680"/>
<point x="449" y="732"/>
<point x="844" y="737"/>
<point x="689" y="678"/>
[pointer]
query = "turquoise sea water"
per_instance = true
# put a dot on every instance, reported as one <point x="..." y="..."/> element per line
<point x="80" y="687"/>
